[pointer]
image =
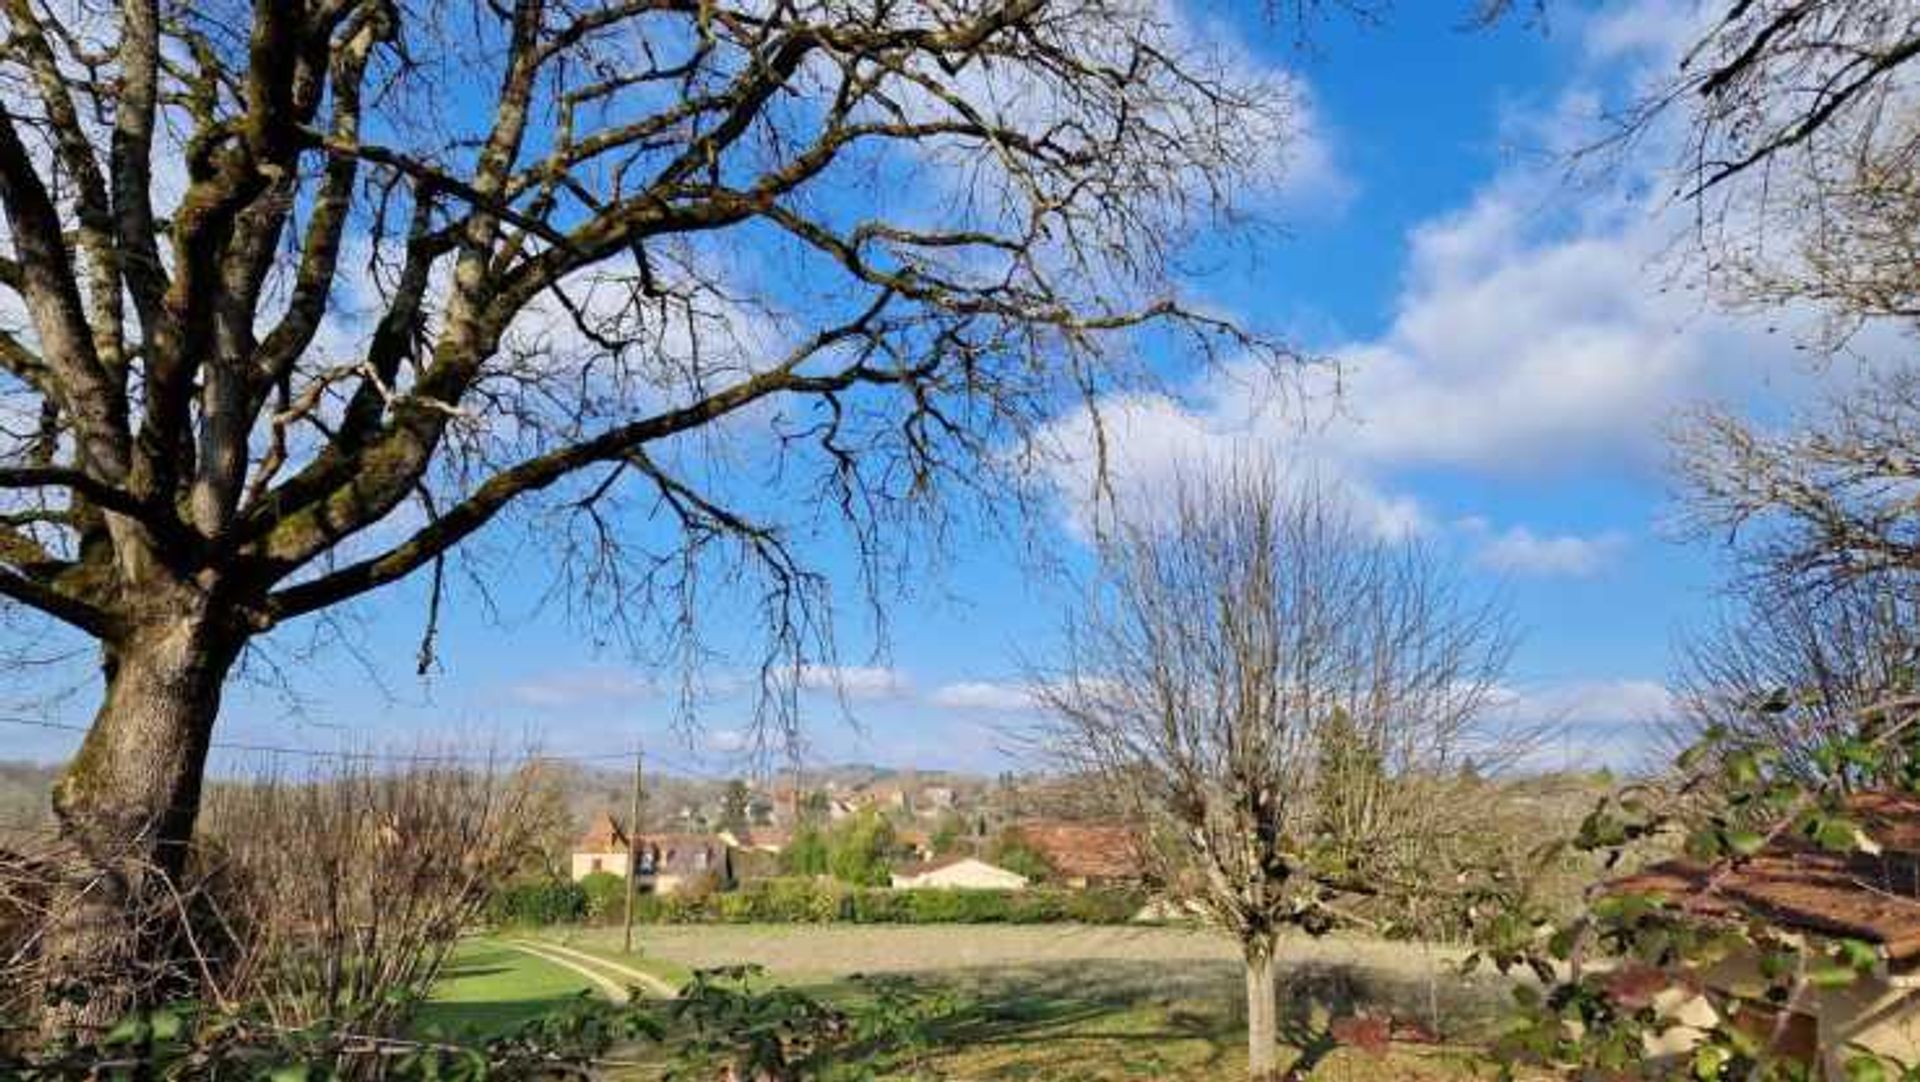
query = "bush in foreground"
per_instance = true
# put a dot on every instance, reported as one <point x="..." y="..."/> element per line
<point x="726" y="1024"/>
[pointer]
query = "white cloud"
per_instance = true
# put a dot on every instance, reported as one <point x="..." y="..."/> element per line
<point x="1154" y="440"/>
<point x="1625" y="702"/>
<point x="1541" y="329"/>
<point x="1521" y="551"/>
<point x="855" y="681"/>
<point x="983" y="695"/>
<point x="727" y="741"/>
<point x="590" y="686"/>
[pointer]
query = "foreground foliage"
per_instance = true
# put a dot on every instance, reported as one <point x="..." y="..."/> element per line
<point x="1614" y="973"/>
<point x="725" y="1024"/>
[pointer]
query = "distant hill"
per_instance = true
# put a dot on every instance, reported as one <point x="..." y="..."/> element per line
<point x="23" y="796"/>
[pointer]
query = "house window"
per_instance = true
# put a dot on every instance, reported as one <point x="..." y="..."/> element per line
<point x="596" y="864"/>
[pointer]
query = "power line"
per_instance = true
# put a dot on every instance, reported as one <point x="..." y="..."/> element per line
<point x="396" y="757"/>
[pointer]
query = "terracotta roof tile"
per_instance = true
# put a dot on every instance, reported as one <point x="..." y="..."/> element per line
<point x="1870" y="897"/>
<point x="605" y="836"/>
<point x="1085" y="850"/>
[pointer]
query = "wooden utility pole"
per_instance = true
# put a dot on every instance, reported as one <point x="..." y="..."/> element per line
<point x="633" y="846"/>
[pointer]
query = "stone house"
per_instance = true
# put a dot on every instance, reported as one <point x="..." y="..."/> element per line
<point x="603" y="848"/>
<point x="666" y="862"/>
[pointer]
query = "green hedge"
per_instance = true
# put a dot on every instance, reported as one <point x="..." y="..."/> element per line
<point x="822" y="901"/>
<point x="537" y="901"/>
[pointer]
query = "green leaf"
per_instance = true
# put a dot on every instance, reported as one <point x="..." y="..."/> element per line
<point x="1708" y="1061"/>
<point x="1831" y="975"/>
<point x="1836" y="834"/>
<point x="1745" y="842"/>
<point x="167" y="1025"/>
<point x="129" y="1031"/>
<point x="1866" y="1067"/>
<point x="1860" y="955"/>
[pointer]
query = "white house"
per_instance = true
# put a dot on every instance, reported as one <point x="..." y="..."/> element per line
<point x="958" y="872"/>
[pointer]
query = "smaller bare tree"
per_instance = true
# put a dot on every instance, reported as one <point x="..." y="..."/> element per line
<point x="337" y="897"/>
<point x="1797" y="670"/>
<point x="1819" y="520"/>
<point x="1274" y="690"/>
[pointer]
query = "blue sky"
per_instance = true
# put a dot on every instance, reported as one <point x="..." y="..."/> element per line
<point x="1511" y="343"/>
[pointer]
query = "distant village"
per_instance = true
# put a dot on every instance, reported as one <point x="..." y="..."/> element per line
<point x="929" y="831"/>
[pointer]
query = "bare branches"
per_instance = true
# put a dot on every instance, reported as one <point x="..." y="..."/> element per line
<point x="1232" y="649"/>
<point x="1798" y="147"/>
<point x="1281" y="700"/>
<point x="1825" y="504"/>
<point x="671" y="282"/>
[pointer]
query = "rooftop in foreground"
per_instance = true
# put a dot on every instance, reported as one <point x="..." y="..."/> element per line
<point x="1863" y="896"/>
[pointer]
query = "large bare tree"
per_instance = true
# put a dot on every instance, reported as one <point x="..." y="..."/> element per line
<point x="1281" y="698"/>
<point x="298" y="295"/>
<point x="1798" y="140"/>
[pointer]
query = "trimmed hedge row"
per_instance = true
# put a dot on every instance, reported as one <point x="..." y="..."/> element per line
<point x="537" y="901"/>
<point x="810" y="901"/>
<point x="792" y="900"/>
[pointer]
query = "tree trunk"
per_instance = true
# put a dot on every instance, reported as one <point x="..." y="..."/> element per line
<point x="1263" y="1021"/>
<point x="126" y="806"/>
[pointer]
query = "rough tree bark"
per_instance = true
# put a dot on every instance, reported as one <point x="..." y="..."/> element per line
<point x="126" y="805"/>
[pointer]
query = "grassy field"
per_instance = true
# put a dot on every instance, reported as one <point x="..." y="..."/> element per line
<point x="1101" y="1003"/>
<point x="489" y="988"/>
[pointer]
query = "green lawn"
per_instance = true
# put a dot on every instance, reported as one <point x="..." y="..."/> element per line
<point x="489" y="989"/>
<point x="603" y="943"/>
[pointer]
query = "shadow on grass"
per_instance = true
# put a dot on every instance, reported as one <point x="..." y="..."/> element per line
<point x="483" y="1021"/>
<point x="491" y="996"/>
<point x="1194" y="1012"/>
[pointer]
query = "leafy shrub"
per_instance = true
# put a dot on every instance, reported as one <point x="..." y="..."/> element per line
<point x="860" y="850"/>
<point x="732" y="1026"/>
<point x="537" y="901"/>
<point x="606" y="895"/>
<point x="806" y="854"/>
<point x="1011" y="851"/>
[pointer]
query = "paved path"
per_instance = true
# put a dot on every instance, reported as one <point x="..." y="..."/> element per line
<point x="595" y="968"/>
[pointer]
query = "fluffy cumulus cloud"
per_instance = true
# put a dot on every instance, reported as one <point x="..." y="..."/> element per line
<point x="1630" y="703"/>
<point x="1538" y="331"/>
<point x="1520" y="551"/>
<point x="1583" y="724"/>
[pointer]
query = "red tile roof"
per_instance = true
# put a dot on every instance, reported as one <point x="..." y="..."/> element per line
<point x="1085" y="850"/>
<point x="1861" y="896"/>
<point x="605" y="836"/>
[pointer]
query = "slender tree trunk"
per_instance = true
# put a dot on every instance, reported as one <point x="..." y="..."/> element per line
<point x="126" y="807"/>
<point x="1263" y="1020"/>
